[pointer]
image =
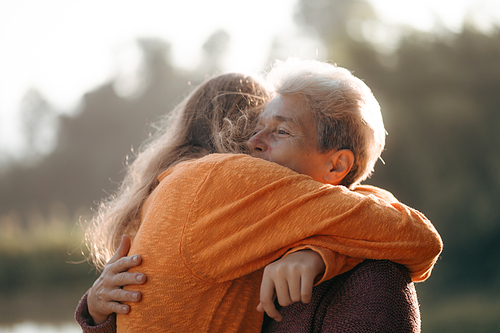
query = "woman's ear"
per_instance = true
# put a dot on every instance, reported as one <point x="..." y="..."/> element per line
<point x="339" y="165"/>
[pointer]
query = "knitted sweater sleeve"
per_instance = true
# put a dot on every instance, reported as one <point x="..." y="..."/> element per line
<point x="257" y="216"/>
<point x="83" y="318"/>
<point x="332" y="259"/>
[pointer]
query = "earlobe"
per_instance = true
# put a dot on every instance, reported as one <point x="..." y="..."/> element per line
<point x="339" y="165"/>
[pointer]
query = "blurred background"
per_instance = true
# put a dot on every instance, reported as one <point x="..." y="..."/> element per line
<point x="81" y="80"/>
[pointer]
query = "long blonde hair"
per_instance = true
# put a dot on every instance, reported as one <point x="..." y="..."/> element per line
<point x="217" y="117"/>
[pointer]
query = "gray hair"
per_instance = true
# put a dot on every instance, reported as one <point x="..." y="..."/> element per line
<point x="346" y="113"/>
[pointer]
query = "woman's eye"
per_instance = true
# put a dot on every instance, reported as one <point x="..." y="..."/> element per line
<point x="282" y="132"/>
<point x="256" y="131"/>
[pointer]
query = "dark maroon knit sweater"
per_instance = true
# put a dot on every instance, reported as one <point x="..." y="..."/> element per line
<point x="375" y="296"/>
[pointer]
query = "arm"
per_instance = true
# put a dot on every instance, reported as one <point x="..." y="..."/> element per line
<point x="279" y="209"/>
<point x="306" y="266"/>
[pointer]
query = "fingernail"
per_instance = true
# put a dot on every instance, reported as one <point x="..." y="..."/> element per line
<point x="140" y="277"/>
<point x="124" y="308"/>
<point x="135" y="258"/>
<point x="135" y="296"/>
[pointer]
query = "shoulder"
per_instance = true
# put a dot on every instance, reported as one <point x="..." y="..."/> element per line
<point x="231" y="168"/>
<point x="375" y="191"/>
<point x="241" y="163"/>
<point x="235" y="163"/>
<point x="223" y="178"/>
<point x="375" y="296"/>
<point x="380" y="272"/>
<point x="370" y="281"/>
<point x="378" y="296"/>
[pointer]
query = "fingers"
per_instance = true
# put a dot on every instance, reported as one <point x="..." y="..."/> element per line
<point x="306" y="287"/>
<point x="271" y="311"/>
<point x="290" y="279"/>
<point x="292" y="290"/>
<point x="296" y="287"/>
<point x="122" y="249"/>
<point x="124" y="263"/>
<point x="283" y="292"/>
<point x="267" y="297"/>
<point x="103" y="298"/>
<point x="286" y="279"/>
<point x="111" y="307"/>
<point x="119" y="308"/>
<point x="124" y="279"/>
<point x="120" y="295"/>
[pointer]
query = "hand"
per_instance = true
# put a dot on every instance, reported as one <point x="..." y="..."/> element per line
<point x="291" y="279"/>
<point x="106" y="294"/>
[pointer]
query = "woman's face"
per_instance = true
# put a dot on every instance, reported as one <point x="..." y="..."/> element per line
<point x="286" y="135"/>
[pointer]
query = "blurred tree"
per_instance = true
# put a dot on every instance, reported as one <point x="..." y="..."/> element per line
<point x="214" y="50"/>
<point x="39" y="122"/>
<point x="336" y="22"/>
<point x="446" y="116"/>
<point x="93" y="144"/>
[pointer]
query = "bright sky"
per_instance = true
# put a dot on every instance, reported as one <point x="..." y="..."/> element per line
<point x="422" y="14"/>
<point x="65" y="48"/>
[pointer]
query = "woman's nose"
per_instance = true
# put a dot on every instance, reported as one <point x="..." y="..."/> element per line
<point x="258" y="142"/>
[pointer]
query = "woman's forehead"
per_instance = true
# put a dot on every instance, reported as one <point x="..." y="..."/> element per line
<point x="285" y="109"/>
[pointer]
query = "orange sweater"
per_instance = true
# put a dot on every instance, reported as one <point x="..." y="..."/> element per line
<point x="213" y="224"/>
